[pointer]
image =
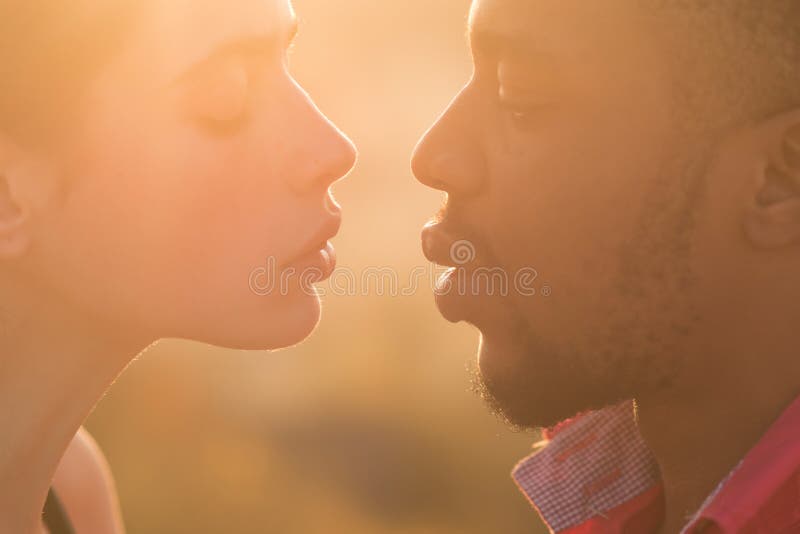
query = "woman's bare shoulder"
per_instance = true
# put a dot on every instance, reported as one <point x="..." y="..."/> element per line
<point x="85" y="486"/>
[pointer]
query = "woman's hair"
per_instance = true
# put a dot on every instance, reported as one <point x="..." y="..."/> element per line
<point x="50" y="50"/>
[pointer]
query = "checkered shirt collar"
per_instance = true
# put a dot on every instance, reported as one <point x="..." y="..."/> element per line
<point x="589" y="467"/>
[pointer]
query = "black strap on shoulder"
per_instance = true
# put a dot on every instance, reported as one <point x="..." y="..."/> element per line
<point x="55" y="517"/>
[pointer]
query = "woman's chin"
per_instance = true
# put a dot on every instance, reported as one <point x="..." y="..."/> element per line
<point x="273" y="327"/>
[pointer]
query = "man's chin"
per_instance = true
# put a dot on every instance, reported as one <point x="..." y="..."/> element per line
<point x="529" y="386"/>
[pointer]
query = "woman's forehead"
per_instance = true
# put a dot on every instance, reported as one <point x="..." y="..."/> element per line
<point x="176" y="34"/>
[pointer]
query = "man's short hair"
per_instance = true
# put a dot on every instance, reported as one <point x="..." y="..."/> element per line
<point x="740" y="58"/>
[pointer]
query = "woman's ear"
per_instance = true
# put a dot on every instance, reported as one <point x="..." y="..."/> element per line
<point x="13" y="233"/>
<point x="773" y="217"/>
<point x="16" y="184"/>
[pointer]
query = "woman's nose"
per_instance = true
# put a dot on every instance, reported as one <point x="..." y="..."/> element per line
<point x="325" y="153"/>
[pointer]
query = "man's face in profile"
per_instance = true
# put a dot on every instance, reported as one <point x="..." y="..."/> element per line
<point x="567" y="154"/>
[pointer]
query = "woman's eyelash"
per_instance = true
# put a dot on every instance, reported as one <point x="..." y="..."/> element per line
<point x="217" y="101"/>
<point x="226" y="127"/>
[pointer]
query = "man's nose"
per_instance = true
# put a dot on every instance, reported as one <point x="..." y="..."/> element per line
<point x="449" y="157"/>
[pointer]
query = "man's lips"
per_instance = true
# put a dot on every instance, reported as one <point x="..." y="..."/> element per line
<point x="460" y="295"/>
<point x="446" y="245"/>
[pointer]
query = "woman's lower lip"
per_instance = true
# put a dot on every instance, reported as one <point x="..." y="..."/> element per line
<point x="315" y="266"/>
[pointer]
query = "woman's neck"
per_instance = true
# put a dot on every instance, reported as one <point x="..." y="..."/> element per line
<point x="54" y="367"/>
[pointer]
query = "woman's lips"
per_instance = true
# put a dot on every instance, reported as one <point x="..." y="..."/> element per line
<point x="316" y="261"/>
<point x="314" y="266"/>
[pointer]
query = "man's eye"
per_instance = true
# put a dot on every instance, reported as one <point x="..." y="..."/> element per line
<point x="522" y="106"/>
<point x="522" y="116"/>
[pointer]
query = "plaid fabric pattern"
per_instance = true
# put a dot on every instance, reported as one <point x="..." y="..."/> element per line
<point x="588" y="468"/>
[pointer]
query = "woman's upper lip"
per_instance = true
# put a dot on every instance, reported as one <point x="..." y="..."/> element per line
<point x="328" y="230"/>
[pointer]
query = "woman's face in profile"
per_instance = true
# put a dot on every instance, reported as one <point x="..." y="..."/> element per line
<point x="196" y="201"/>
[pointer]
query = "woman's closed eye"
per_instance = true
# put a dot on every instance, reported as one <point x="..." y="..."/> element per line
<point x="217" y="96"/>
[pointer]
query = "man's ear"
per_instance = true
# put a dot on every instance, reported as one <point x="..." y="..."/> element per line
<point x="773" y="217"/>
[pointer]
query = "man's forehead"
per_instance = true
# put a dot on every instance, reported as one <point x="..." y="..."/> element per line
<point x="500" y="15"/>
<point x="534" y="22"/>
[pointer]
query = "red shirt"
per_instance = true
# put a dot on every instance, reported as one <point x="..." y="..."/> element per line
<point x="595" y="474"/>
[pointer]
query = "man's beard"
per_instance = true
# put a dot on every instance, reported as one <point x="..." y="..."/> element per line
<point x="541" y="387"/>
<point x="531" y="383"/>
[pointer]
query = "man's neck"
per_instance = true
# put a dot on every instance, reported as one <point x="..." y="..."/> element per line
<point x="54" y="367"/>
<point x="700" y="435"/>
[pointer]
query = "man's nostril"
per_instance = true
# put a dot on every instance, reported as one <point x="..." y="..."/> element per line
<point x="439" y="184"/>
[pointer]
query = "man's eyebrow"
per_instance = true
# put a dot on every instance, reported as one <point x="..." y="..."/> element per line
<point x="492" y="43"/>
<point x="488" y="43"/>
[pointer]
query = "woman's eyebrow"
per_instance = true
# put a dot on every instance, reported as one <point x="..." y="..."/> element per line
<point x="258" y="43"/>
<point x="246" y="44"/>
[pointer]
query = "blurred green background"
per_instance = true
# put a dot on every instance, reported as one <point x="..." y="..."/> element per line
<point x="370" y="426"/>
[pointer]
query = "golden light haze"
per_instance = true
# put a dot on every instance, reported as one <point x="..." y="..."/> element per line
<point x="370" y="426"/>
